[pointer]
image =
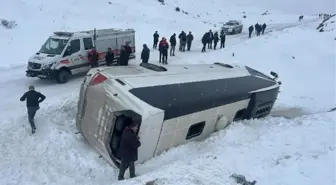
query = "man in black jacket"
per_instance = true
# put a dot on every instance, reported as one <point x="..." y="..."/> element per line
<point x="109" y="57"/>
<point x="172" y="41"/>
<point x="205" y="41"/>
<point x="33" y="99"/>
<point x="145" y="54"/>
<point x="222" y="40"/>
<point x="190" y="38"/>
<point x="128" y="151"/>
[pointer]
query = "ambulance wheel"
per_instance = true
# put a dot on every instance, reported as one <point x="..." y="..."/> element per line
<point x="63" y="76"/>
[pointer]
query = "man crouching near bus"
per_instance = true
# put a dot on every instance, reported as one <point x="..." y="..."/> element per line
<point x="128" y="151"/>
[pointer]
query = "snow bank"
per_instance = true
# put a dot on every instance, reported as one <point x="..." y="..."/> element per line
<point x="55" y="155"/>
<point x="270" y="151"/>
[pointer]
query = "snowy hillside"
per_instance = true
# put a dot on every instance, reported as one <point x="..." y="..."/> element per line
<point x="272" y="151"/>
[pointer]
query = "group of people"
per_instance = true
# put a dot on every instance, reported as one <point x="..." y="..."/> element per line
<point x="125" y="52"/>
<point x="185" y="41"/>
<point x="258" y="29"/>
<point x="210" y="38"/>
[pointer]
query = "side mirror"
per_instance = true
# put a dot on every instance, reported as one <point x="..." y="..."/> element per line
<point x="274" y="74"/>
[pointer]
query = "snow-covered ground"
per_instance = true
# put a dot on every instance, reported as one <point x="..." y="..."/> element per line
<point x="274" y="150"/>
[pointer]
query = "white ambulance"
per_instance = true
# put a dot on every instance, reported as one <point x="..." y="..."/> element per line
<point x="65" y="53"/>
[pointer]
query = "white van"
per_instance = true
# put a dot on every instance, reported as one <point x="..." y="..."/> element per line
<point x="65" y="53"/>
<point x="172" y="104"/>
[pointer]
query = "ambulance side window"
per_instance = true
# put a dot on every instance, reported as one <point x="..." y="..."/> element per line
<point x="75" y="46"/>
<point x="72" y="48"/>
<point x="88" y="43"/>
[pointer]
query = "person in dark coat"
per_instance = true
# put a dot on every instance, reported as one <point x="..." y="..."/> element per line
<point x="250" y="30"/>
<point x="257" y="28"/>
<point x="155" y="39"/>
<point x="109" y="57"/>
<point x="163" y="48"/>
<point x="123" y="57"/>
<point x="172" y="41"/>
<point x="216" y="39"/>
<point x="33" y="100"/>
<point x="211" y="38"/>
<point x="93" y="57"/>
<point x="190" y="38"/>
<point x="145" y="54"/>
<point x="205" y="41"/>
<point x="263" y="27"/>
<point x="183" y="40"/>
<point x="222" y="40"/>
<point x="128" y="151"/>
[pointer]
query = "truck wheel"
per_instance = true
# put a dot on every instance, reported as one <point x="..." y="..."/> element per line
<point x="63" y="76"/>
<point x="233" y="31"/>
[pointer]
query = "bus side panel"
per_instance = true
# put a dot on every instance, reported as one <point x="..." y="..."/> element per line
<point x="175" y="131"/>
<point x="149" y="134"/>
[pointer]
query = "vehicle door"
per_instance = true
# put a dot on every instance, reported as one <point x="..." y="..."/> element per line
<point x="71" y="56"/>
<point x="87" y="46"/>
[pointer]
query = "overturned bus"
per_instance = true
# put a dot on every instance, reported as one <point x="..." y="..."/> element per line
<point x="172" y="104"/>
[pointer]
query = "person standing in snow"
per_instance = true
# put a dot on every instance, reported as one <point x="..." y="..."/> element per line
<point x="190" y="38"/>
<point x="222" y="40"/>
<point x="33" y="100"/>
<point x="172" y="41"/>
<point x="123" y="57"/>
<point x="250" y="30"/>
<point x="205" y="41"/>
<point x="210" y="39"/>
<point x="109" y="57"/>
<point x="125" y="53"/>
<point x="163" y="48"/>
<point x="183" y="40"/>
<point x="256" y="28"/>
<point x="145" y="54"/>
<point x="128" y="151"/>
<point x="216" y="39"/>
<point x="263" y="27"/>
<point x="155" y="39"/>
<point x="93" y="57"/>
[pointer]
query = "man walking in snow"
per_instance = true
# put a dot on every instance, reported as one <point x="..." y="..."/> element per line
<point x="183" y="40"/>
<point x="210" y="39"/>
<point x="155" y="39"/>
<point x="190" y="38"/>
<point x="145" y="53"/>
<point x="33" y="99"/>
<point x="216" y="38"/>
<point x="163" y="48"/>
<point x="250" y="30"/>
<point x="257" y="29"/>
<point x="205" y="41"/>
<point x="128" y="151"/>
<point x="172" y="41"/>
<point x="263" y="27"/>
<point x="222" y="40"/>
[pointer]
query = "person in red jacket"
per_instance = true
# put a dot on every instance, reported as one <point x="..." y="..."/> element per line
<point x="93" y="57"/>
<point x="163" y="48"/>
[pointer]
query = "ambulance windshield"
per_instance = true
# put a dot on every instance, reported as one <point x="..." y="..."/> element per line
<point x="54" y="46"/>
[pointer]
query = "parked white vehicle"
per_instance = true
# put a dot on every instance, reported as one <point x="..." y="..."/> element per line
<point x="65" y="53"/>
<point x="172" y="104"/>
<point x="232" y="27"/>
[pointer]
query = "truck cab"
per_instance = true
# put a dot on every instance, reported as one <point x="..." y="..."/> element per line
<point x="65" y="53"/>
